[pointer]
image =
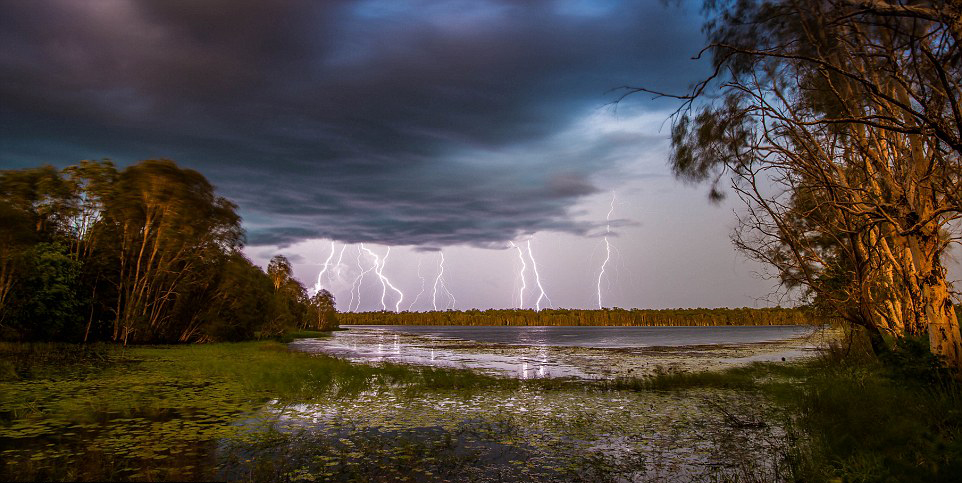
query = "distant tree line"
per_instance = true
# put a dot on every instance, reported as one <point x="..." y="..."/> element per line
<point x="574" y="317"/>
<point x="144" y="254"/>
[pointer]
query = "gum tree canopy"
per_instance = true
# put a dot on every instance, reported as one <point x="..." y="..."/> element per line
<point x="839" y="124"/>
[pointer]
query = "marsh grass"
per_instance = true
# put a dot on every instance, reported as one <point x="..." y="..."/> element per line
<point x="847" y="415"/>
<point x="105" y="412"/>
<point x="872" y="429"/>
<point x="865" y="419"/>
<point x="270" y="370"/>
<point x="181" y="413"/>
<point x="748" y="377"/>
<point x="303" y="334"/>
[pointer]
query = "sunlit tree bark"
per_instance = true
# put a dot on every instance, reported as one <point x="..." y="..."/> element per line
<point x="839" y="123"/>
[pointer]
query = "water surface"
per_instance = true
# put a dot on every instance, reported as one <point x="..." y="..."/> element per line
<point x="600" y="337"/>
<point x="581" y="352"/>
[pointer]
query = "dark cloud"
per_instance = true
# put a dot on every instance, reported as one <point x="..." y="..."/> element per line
<point x="419" y="122"/>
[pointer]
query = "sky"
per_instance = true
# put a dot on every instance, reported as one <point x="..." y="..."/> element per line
<point x="483" y="132"/>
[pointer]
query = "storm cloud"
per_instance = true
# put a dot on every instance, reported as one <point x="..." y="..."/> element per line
<point x="397" y="122"/>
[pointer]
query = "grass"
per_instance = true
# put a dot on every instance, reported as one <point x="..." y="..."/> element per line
<point x="303" y="334"/>
<point x="68" y="412"/>
<point x="157" y="413"/>
<point x="265" y="368"/>
<point x="50" y="359"/>
<point x="865" y="421"/>
<point x="749" y="377"/>
<point x="876" y="429"/>
<point x="850" y="417"/>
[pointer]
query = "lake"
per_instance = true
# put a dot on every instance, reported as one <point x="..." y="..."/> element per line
<point x="580" y="352"/>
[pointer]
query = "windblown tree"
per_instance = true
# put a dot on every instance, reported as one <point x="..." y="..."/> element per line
<point x="839" y="124"/>
<point x="165" y="222"/>
<point x="280" y="271"/>
<point x="146" y="254"/>
<point x="91" y="183"/>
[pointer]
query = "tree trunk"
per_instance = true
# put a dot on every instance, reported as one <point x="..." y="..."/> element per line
<point x="90" y="319"/>
<point x="875" y="338"/>
<point x="941" y="324"/>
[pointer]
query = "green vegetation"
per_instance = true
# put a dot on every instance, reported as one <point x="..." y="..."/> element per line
<point x="864" y="425"/>
<point x="250" y="411"/>
<point x="864" y="419"/>
<point x="604" y="317"/>
<point x="105" y="412"/>
<point x="145" y="254"/>
<point x="848" y="415"/>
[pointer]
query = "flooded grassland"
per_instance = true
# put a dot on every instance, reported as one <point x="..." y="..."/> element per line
<point x="261" y="412"/>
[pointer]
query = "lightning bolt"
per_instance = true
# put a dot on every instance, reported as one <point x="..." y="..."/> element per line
<point x="422" y="286"/>
<point x="327" y="263"/>
<point x="340" y="258"/>
<point x="524" y="284"/>
<point x="607" y="246"/>
<point x="385" y="282"/>
<point x="450" y="295"/>
<point x="439" y="281"/>
<point x="537" y="277"/>
<point x="357" y="282"/>
<point x="434" y="297"/>
<point x="400" y="295"/>
<point x="377" y="271"/>
<point x="350" y="306"/>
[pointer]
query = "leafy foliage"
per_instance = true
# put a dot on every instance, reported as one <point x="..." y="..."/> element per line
<point x="870" y="420"/>
<point x="145" y="254"/>
<point x="48" y="300"/>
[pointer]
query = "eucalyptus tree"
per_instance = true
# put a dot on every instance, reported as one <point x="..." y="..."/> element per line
<point x="839" y="124"/>
<point x="164" y="222"/>
<point x="91" y="184"/>
<point x="280" y="271"/>
<point x="290" y="305"/>
<point x="42" y="195"/>
<point x="323" y="314"/>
